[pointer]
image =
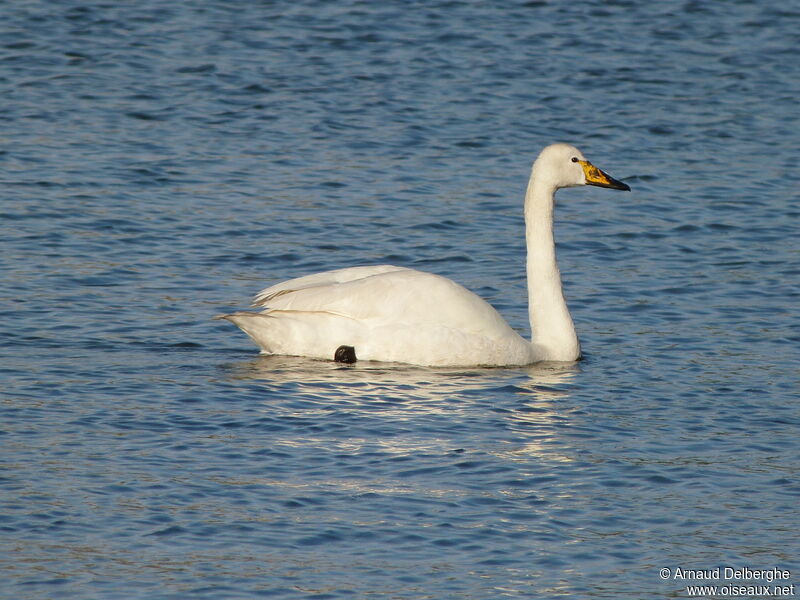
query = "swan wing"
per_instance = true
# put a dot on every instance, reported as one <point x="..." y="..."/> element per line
<point x="389" y="297"/>
<point x="387" y="313"/>
<point x="321" y="280"/>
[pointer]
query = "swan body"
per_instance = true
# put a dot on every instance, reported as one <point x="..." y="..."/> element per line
<point x="396" y="314"/>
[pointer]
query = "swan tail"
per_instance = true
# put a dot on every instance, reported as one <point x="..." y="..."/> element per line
<point x="296" y="333"/>
<point x="254" y="325"/>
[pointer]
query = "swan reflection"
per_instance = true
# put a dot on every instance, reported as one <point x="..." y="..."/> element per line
<point x="365" y="380"/>
<point x="407" y="411"/>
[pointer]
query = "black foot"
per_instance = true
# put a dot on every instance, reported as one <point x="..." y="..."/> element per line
<point x="345" y="354"/>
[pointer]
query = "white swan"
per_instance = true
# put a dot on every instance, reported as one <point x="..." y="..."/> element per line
<point x="396" y="314"/>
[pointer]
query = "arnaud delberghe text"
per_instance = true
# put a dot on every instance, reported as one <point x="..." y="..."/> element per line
<point x="732" y="574"/>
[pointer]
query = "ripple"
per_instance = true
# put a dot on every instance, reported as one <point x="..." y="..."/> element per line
<point x="165" y="161"/>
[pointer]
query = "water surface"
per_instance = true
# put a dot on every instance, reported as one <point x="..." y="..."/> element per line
<point x="163" y="163"/>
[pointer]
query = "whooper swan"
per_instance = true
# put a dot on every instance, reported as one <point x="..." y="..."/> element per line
<point x="395" y="314"/>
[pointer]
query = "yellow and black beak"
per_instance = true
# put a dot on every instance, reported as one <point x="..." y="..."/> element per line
<point x="595" y="176"/>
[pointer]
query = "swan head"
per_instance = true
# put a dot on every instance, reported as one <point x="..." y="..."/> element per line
<point x="562" y="165"/>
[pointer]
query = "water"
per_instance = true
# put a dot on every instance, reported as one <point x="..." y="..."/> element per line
<point x="162" y="162"/>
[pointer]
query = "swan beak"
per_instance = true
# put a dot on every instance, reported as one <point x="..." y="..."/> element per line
<point x="595" y="176"/>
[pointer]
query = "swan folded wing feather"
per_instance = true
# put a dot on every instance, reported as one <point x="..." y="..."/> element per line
<point x="392" y="297"/>
<point x="327" y="278"/>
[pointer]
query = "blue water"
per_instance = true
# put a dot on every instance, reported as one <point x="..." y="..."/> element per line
<point x="162" y="162"/>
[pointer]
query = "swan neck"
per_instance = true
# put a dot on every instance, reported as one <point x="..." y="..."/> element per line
<point x="552" y="329"/>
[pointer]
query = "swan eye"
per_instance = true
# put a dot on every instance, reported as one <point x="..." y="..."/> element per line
<point x="574" y="159"/>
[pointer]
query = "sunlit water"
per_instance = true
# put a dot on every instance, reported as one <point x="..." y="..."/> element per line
<point x="162" y="162"/>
